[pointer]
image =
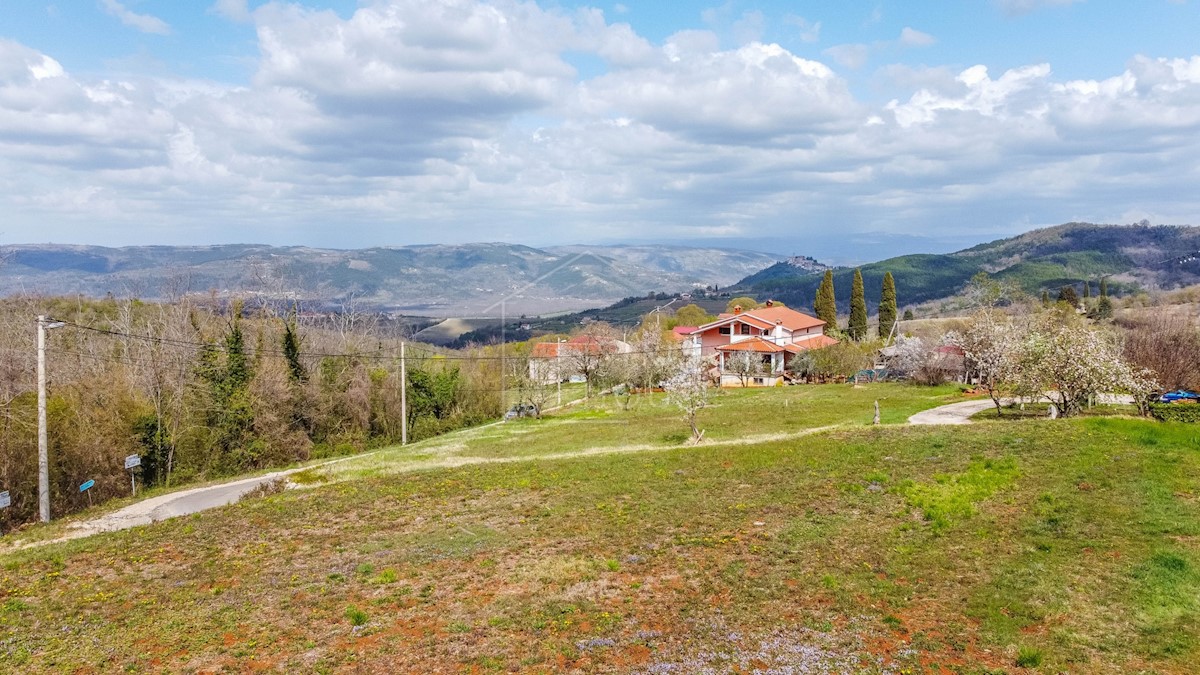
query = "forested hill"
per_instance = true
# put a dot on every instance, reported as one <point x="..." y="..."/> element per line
<point x="1130" y="256"/>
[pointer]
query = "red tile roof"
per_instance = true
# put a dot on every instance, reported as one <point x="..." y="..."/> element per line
<point x="754" y="344"/>
<point x="545" y="350"/>
<point x="812" y="343"/>
<point x="681" y="332"/>
<point x="790" y="318"/>
<point x="768" y="317"/>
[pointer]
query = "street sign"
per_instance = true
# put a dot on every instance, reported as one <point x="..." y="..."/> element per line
<point x="87" y="486"/>
<point x="5" y="500"/>
<point x="132" y="461"/>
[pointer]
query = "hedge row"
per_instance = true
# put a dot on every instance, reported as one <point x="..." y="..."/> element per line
<point x="1176" y="412"/>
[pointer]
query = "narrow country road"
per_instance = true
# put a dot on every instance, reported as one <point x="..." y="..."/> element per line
<point x="199" y="499"/>
<point x="960" y="413"/>
<point x="955" y="413"/>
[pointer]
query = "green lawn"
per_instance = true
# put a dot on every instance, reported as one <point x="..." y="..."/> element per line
<point x="651" y="421"/>
<point x="1068" y="545"/>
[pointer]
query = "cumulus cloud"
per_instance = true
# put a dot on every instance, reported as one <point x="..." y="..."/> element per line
<point x="757" y="93"/>
<point x="455" y="118"/>
<point x="143" y="22"/>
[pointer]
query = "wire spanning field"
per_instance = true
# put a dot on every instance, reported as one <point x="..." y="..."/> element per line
<point x="1070" y="544"/>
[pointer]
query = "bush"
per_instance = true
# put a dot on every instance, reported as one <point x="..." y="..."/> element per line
<point x="1176" y="412"/>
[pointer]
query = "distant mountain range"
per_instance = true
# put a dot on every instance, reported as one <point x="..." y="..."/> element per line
<point x="1129" y="257"/>
<point x="438" y="280"/>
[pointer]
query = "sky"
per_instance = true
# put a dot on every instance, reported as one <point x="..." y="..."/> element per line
<point x="848" y="130"/>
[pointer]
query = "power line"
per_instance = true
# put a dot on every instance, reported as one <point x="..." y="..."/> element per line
<point x="373" y="355"/>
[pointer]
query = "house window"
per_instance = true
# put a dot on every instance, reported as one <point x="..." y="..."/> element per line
<point x="766" y="331"/>
<point x="759" y="380"/>
<point x="724" y="330"/>
<point x="745" y="329"/>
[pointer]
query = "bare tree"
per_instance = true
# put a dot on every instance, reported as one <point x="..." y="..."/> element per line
<point x="1169" y="345"/>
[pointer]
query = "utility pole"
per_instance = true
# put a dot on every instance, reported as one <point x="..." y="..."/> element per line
<point x="403" y="399"/>
<point x="43" y="444"/>
<point x="558" y="367"/>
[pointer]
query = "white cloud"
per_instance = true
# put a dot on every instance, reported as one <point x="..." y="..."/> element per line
<point x="855" y="56"/>
<point x="419" y="120"/>
<point x="852" y="56"/>
<point x="912" y="37"/>
<point x="143" y="22"/>
<point x="1019" y="7"/>
<point x="750" y="27"/>
<point x="810" y="31"/>
<point x="760" y="92"/>
<point x="234" y="10"/>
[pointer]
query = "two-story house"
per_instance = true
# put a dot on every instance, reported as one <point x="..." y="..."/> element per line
<point x="770" y="334"/>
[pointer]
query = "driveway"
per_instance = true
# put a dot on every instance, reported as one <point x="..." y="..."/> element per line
<point x="960" y="413"/>
<point x="955" y="413"/>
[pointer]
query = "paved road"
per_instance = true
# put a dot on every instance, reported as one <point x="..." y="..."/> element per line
<point x="960" y="413"/>
<point x="955" y="413"/>
<point x="175" y="504"/>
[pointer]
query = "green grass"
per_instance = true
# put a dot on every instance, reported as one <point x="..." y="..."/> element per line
<point x="650" y="421"/>
<point x="1067" y="546"/>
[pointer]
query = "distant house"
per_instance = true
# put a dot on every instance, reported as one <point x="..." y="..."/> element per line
<point x="682" y="333"/>
<point x="769" y="335"/>
<point x="551" y="362"/>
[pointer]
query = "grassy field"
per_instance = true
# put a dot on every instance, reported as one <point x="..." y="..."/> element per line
<point x="1015" y="546"/>
<point x="607" y="423"/>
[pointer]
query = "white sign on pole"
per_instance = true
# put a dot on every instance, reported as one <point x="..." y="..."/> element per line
<point x="132" y="461"/>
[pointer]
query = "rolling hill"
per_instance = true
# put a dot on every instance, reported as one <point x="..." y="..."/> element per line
<point x="1128" y="256"/>
<point x="459" y="280"/>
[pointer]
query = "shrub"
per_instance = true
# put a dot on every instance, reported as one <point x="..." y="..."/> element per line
<point x="1176" y="412"/>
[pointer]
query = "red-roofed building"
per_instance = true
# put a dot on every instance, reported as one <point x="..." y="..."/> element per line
<point x="771" y="333"/>
<point x="560" y="361"/>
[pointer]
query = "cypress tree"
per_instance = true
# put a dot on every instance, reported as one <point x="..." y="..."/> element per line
<point x="1087" y="289"/>
<point x="858" y="308"/>
<point x="291" y="350"/>
<point x="826" y="303"/>
<point x="1103" y="287"/>
<point x="1068" y="295"/>
<point x="887" y="306"/>
<point x="1045" y="298"/>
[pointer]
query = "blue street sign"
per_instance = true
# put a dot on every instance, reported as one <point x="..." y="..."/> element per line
<point x="85" y="486"/>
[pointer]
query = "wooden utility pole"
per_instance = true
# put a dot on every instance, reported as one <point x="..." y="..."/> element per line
<point x="403" y="399"/>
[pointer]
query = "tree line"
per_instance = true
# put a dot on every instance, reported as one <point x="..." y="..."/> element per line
<point x="825" y="305"/>
<point x="199" y="388"/>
